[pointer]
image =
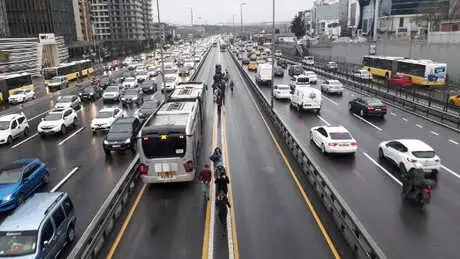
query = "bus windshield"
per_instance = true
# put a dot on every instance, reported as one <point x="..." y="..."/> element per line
<point x="50" y="73"/>
<point x="164" y="146"/>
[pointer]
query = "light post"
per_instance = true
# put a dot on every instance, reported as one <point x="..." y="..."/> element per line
<point x="241" y="16"/>
<point x="161" y="51"/>
<point x="233" y="19"/>
<point x="273" y="57"/>
<point x="191" y="15"/>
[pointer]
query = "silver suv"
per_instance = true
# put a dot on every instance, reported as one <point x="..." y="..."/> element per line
<point x="39" y="228"/>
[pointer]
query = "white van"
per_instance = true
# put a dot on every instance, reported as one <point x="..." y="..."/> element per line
<point x="300" y="80"/>
<point x="308" y="60"/>
<point x="306" y="98"/>
<point x="264" y="74"/>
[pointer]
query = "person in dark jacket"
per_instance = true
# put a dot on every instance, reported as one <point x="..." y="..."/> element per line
<point x="222" y="183"/>
<point x="222" y="210"/>
<point x="216" y="156"/>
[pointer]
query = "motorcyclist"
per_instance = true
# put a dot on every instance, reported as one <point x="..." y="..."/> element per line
<point x="414" y="180"/>
<point x="231" y="85"/>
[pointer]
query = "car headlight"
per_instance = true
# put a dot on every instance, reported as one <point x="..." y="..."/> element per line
<point x="127" y="141"/>
<point x="135" y="98"/>
<point x="8" y="197"/>
<point x="106" y="142"/>
<point x="123" y="98"/>
<point x="91" y="93"/>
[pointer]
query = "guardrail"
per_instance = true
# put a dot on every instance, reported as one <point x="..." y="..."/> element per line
<point x="410" y="101"/>
<point x="99" y="229"/>
<point x="362" y="244"/>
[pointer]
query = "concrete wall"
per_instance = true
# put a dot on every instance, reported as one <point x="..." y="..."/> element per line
<point x="353" y="53"/>
<point x="444" y="37"/>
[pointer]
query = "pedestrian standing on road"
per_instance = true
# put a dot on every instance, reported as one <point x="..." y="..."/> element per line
<point x="219" y="101"/>
<point x="222" y="183"/>
<point x="205" y="179"/>
<point x="216" y="157"/>
<point x="221" y="204"/>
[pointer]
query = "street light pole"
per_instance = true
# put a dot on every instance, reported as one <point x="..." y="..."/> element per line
<point x="161" y="51"/>
<point x="273" y="57"/>
<point x="241" y="16"/>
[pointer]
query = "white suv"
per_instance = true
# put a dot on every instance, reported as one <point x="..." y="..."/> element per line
<point x="312" y="77"/>
<point x="21" y="95"/>
<point x="13" y="126"/>
<point x="405" y="153"/>
<point x="57" y="121"/>
<point x="332" y="86"/>
<point x="105" y="118"/>
<point x="130" y="82"/>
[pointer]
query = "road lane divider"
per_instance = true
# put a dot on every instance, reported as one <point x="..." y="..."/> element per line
<point x="450" y="171"/>
<point x="71" y="135"/>
<point x="330" y="100"/>
<point x="348" y="224"/>
<point x="24" y="141"/>
<point x="323" y="120"/>
<point x="368" y="122"/>
<point x="65" y="179"/>
<point x="38" y="116"/>
<point x="382" y="168"/>
<point x="453" y="142"/>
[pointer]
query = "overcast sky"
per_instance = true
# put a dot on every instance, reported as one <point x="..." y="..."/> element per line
<point x="221" y="11"/>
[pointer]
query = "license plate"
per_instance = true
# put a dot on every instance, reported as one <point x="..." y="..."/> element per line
<point x="307" y="104"/>
<point x="378" y="110"/>
<point x="343" y="145"/>
<point x="166" y="175"/>
<point x="115" y="146"/>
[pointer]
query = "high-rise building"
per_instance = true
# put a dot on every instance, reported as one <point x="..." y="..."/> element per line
<point x="121" y="19"/>
<point x="82" y="20"/>
<point x="4" y="29"/>
<point x="28" y="18"/>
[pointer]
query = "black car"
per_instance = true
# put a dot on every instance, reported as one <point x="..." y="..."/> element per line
<point x="147" y="108"/>
<point x="104" y="81"/>
<point x="149" y="87"/>
<point x="279" y="71"/>
<point x="245" y="61"/>
<point x="126" y="74"/>
<point x="90" y="93"/>
<point x="282" y="63"/>
<point x="184" y="72"/>
<point x="122" y="135"/>
<point x="367" y="106"/>
<point x="295" y="70"/>
<point x="132" y="95"/>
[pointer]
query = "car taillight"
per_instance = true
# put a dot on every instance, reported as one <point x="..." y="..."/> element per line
<point x="354" y="143"/>
<point x="427" y="190"/>
<point x="370" y="108"/>
<point x="411" y="160"/>
<point x="188" y="166"/>
<point x="332" y="144"/>
<point x="384" y="108"/>
<point x="437" y="160"/>
<point x="143" y="169"/>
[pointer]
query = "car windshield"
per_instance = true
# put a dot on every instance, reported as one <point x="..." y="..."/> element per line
<point x="283" y="87"/>
<point x="131" y="92"/>
<point x="334" y="82"/>
<point x="149" y="105"/>
<point x="423" y="154"/>
<point x="4" y="125"/>
<point x="55" y="80"/>
<point x="104" y="115"/>
<point x="19" y="92"/>
<point x="302" y="80"/>
<point x="53" y="116"/>
<point x="66" y="99"/>
<point x="17" y="243"/>
<point x="88" y="90"/>
<point x="170" y="79"/>
<point x="142" y="73"/>
<point x="112" y="89"/>
<point x="130" y="79"/>
<point x="105" y="79"/>
<point x="10" y="173"/>
<point x="374" y="102"/>
<point x="121" y="128"/>
<point x="340" y="135"/>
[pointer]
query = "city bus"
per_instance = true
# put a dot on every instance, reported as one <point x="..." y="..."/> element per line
<point x="169" y="143"/>
<point x="422" y="72"/>
<point x="10" y="83"/>
<point x="72" y="70"/>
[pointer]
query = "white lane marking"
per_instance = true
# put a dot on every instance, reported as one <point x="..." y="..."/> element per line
<point x="323" y="120"/>
<point x="453" y="142"/>
<point x="382" y="168"/>
<point x="25" y="140"/>
<point x="368" y="122"/>
<point x="419" y="126"/>
<point x="434" y="133"/>
<point x="404" y="119"/>
<point x="36" y="116"/>
<point x="392" y="113"/>
<point x="450" y="171"/>
<point x="71" y="135"/>
<point x="330" y="100"/>
<point x="65" y="179"/>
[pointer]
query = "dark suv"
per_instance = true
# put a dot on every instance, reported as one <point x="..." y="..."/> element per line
<point x="132" y="95"/>
<point x="122" y="135"/>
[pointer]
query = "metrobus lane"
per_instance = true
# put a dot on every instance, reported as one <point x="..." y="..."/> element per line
<point x="378" y="181"/>
<point x="276" y="212"/>
<point x="168" y="220"/>
<point x="76" y="162"/>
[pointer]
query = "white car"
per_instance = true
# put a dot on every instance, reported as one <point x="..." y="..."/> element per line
<point x="278" y="53"/>
<point x="13" y="126"/>
<point x="312" y="76"/>
<point x="142" y="76"/>
<point x="363" y="74"/>
<point x="105" y="118"/>
<point x="332" y="65"/>
<point x="333" y="139"/>
<point x="332" y="86"/>
<point x="282" y="92"/>
<point x="111" y="93"/>
<point x="306" y="98"/>
<point x="300" y="80"/>
<point x="405" y="153"/>
<point x="130" y="82"/>
<point x="196" y="58"/>
<point x="21" y="95"/>
<point x="171" y="81"/>
<point x="68" y="101"/>
<point x="189" y="63"/>
<point x="57" y="121"/>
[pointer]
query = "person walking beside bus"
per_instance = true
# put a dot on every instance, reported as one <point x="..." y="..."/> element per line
<point x="205" y="179"/>
<point x="222" y="210"/>
<point x="216" y="157"/>
<point x="222" y="183"/>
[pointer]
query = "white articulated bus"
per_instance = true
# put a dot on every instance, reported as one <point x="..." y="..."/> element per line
<point x="169" y="143"/>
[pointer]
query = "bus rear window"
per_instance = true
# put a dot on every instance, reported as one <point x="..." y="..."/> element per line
<point x="164" y="146"/>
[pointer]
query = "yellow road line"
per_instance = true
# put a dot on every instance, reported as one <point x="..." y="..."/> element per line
<point x="125" y="223"/>
<point x="236" y="253"/>
<point x="207" y="225"/>
<point x="299" y="185"/>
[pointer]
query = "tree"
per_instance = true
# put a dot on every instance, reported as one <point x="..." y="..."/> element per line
<point x="298" y="26"/>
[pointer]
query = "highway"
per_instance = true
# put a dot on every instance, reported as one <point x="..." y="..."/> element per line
<point x="372" y="188"/>
<point x="272" y="218"/>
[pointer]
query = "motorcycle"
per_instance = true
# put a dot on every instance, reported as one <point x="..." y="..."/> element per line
<point x="420" y="195"/>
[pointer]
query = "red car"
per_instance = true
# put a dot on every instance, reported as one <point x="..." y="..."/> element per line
<point x="401" y="80"/>
<point x="95" y="80"/>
